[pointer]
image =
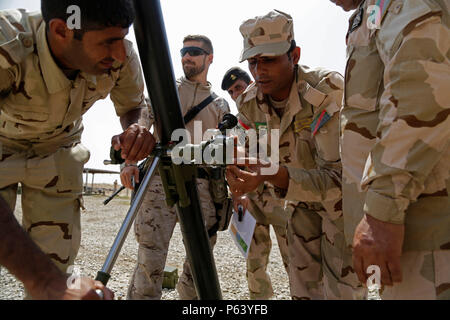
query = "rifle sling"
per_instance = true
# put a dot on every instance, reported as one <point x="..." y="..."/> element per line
<point x="191" y="114"/>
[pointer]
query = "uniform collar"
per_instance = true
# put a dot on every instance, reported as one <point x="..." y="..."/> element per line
<point x="293" y="105"/>
<point x="91" y="78"/>
<point x="54" y="78"/>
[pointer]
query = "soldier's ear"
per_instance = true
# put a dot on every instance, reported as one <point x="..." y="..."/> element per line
<point x="296" y="53"/>
<point x="59" y="31"/>
<point x="211" y="58"/>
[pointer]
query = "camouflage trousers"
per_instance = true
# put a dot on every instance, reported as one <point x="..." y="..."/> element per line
<point x="304" y="232"/>
<point x="339" y="278"/>
<point x="267" y="211"/>
<point x="259" y="283"/>
<point x="154" y="227"/>
<point x="426" y="276"/>
<point x="321" y="265"/>
<point x="51" y="198"/>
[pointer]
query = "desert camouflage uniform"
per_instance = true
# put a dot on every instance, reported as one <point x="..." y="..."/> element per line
<point x="41" y="127"/>
<point x="267" y="211"/>
<point x="155" y="221"/>
<point x="316" y="94"/>
<point x="395" y="136"/>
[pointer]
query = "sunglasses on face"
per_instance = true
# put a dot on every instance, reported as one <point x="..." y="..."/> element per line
<point x="193" y="51"/>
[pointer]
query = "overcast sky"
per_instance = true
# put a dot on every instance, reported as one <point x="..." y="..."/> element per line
<point x="319" y="27"/>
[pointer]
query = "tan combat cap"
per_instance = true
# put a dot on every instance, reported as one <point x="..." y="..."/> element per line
<point x="269" y="35"/>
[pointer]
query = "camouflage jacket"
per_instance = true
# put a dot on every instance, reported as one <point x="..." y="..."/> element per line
<point x="41" y="109"/>
<point x="308" y="136"/>
<point x="395" y="121"/>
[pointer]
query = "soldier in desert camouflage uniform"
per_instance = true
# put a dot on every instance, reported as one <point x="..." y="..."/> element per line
<point x="50" y="76"/>
<point x="266" y="210"/>
<point x="156" y="221"/>
<point x="396" y="145"/>
<point x="307" y="114"/>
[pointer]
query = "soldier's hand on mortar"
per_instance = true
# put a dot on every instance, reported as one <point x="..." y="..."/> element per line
<point x="378" y="243"/>
<point x="136" y="143"/>
<point x="127" y="173"/>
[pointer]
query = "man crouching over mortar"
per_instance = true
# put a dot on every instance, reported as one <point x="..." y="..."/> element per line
<point x="51" y="73"/>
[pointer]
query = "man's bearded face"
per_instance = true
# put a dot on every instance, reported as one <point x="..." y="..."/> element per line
<point x="193" y="65"/>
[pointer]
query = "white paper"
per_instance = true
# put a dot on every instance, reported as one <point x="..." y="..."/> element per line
<point x="242" y="231"/>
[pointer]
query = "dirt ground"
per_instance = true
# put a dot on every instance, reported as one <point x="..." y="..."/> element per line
<point x="100" y="225"/>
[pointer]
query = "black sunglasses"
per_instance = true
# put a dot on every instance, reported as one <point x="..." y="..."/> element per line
<point x="193" y="51"/>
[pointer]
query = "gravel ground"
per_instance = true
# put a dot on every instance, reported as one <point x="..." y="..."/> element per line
<point x="100" y="224"/>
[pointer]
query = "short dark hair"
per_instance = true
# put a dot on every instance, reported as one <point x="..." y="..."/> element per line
<point x="233" y="75"/>
<point x="204" y="39"/>
<point x="291" y="48"/>
<point x="95" y="14"/>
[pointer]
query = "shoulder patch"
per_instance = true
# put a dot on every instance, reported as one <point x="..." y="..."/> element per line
<point x="383" y="5"/>
<point x="261" y="126"/>
<point x="243" y="122"/>
<point x="319" y="122"/>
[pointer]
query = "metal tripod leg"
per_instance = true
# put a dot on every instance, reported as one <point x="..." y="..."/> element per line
<point x="104" y="275"/>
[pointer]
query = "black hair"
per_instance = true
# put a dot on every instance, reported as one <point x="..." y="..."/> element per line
<point x="291" y="48"/>
<point x="95" y="14"/>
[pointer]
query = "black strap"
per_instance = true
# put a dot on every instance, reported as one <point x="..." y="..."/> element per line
<point x="191" y="114"/>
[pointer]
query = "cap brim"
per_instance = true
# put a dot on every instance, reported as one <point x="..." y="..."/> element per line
<point x="271" y="49"/>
